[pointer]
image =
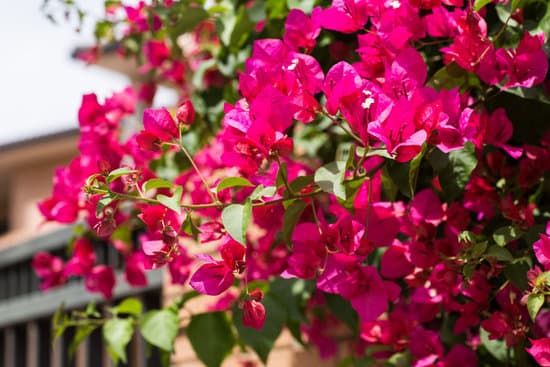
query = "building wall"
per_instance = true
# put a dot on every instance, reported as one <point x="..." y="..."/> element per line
<point x="27" y="170"/>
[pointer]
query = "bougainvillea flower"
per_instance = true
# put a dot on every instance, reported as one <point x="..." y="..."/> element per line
<point x="540" y="350"/>
<point x="361" y="285"/>
<point x="499" y="130"/>
<point x="425" y="346"/>
<point x="406" y="73"/>
<point x="216" y="276"/>
<point x="160" y="123"/>
<point x="180" y="266"/>
<point x="134" y="270"/>
<point x="426" y="207"/>
<point x="101" y="279"/>
<point x="468" y="50"/>
<point x="398" y="133"/>
<point x="346" y="16"/>
<point x="302" y="30"/>
<point x="157" y="252"/>
<point x="156" y="53"/>
<point x="542" y="248"/>
<point x="83" y="258"/>
<point x="49" y="269"/>
<point x="528" y="64"/>
<point x="308" y="251"/>
<point x="395" y="262"/>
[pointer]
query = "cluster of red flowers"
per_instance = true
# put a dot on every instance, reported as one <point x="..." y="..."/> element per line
<point x="411" y="255"/>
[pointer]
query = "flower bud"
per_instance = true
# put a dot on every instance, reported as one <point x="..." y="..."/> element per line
<point x="105" y="228"/>
<point x="257" y="294"/>
<point x="186" y="113"/>
<point x="169" y="236"/>
<point x="253" y="314"/>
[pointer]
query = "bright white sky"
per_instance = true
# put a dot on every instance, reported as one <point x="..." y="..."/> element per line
<point x="40" y="85"/>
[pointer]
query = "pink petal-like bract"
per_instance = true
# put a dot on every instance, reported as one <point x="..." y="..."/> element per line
<point x="212" y="279"/>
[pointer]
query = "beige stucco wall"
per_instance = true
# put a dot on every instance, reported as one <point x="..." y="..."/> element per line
<point x="27" y="171"/>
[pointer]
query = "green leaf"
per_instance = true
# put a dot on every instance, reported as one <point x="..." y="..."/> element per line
<point x="276" y="9"/>
<point x="389" y="187"/>
<point x="454" y="169"/>
<point x="172" y="202"/>
<point x="233" y="182"/>
<point x="507" y="234"/>
<point x="514" y="5"/>
<point x="130" y="306"/>
<point x="235" y="219"/>
<point x="478" y="4"/>
<point x="211" y="337"/>
<point x="516" y="272"/>
<point x="290" y="218"/>
<point x="117" y="333"/>
<point x="330" y="178"/>
<point x="305" y="5"/>
<point x="105" y="200"/>
<point x="379" y="152"/>
<point x="478" y="249"/>
<point x="256" y="13"/>
<point x="499" y="253"/>
<point x="189" y="18"/>
<point x="189" y="227"/>
<point x="301" y="182"/>
<point x="414" y="169"/>
<point x="119" y="172"/>
<point x="293" y="294"/>
<point x="468" y="270"/>
<point x="402" y="359"/>
<point x="543" y="280"/>
<point x="59" y="322"/>
<point x="240" y="29"/>
<point x="452" y="76"/>
<point x="262" y="341"/>
<point x="466" y="237"/>
<point x="536" y="93"/>
<point x="262" y="191"/>
<point x="534" y="303"/>
<point x="82" y="333"/>
<point x="92" y="180"/>
<point x="496" y="347"/>
<point x="282" y="175"/>
<point x="160" y="328"/>
<point x="182" y="300"/>
<point x="342" y="309"/>
<point x="104" y="30"/>
<point x="400" y="174"/>
<point x="156" y="183"/>
<point x="91" y="310"/>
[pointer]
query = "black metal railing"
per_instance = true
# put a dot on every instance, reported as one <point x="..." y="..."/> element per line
<point x="25" y="312"/>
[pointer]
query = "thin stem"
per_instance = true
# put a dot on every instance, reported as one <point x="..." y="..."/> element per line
<point x="495" y="38"/>
<point x="432" y="43"/>
<point x="338" y="123"/>
<point x="285" y="177"/>
<point x="361" y="160"/>
<point x="217" y="204"/>
<point x="315" y="217"/>
<point x="196" y="168"/>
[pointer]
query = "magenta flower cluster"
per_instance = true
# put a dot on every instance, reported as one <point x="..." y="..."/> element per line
<point x="409" y="259"/>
